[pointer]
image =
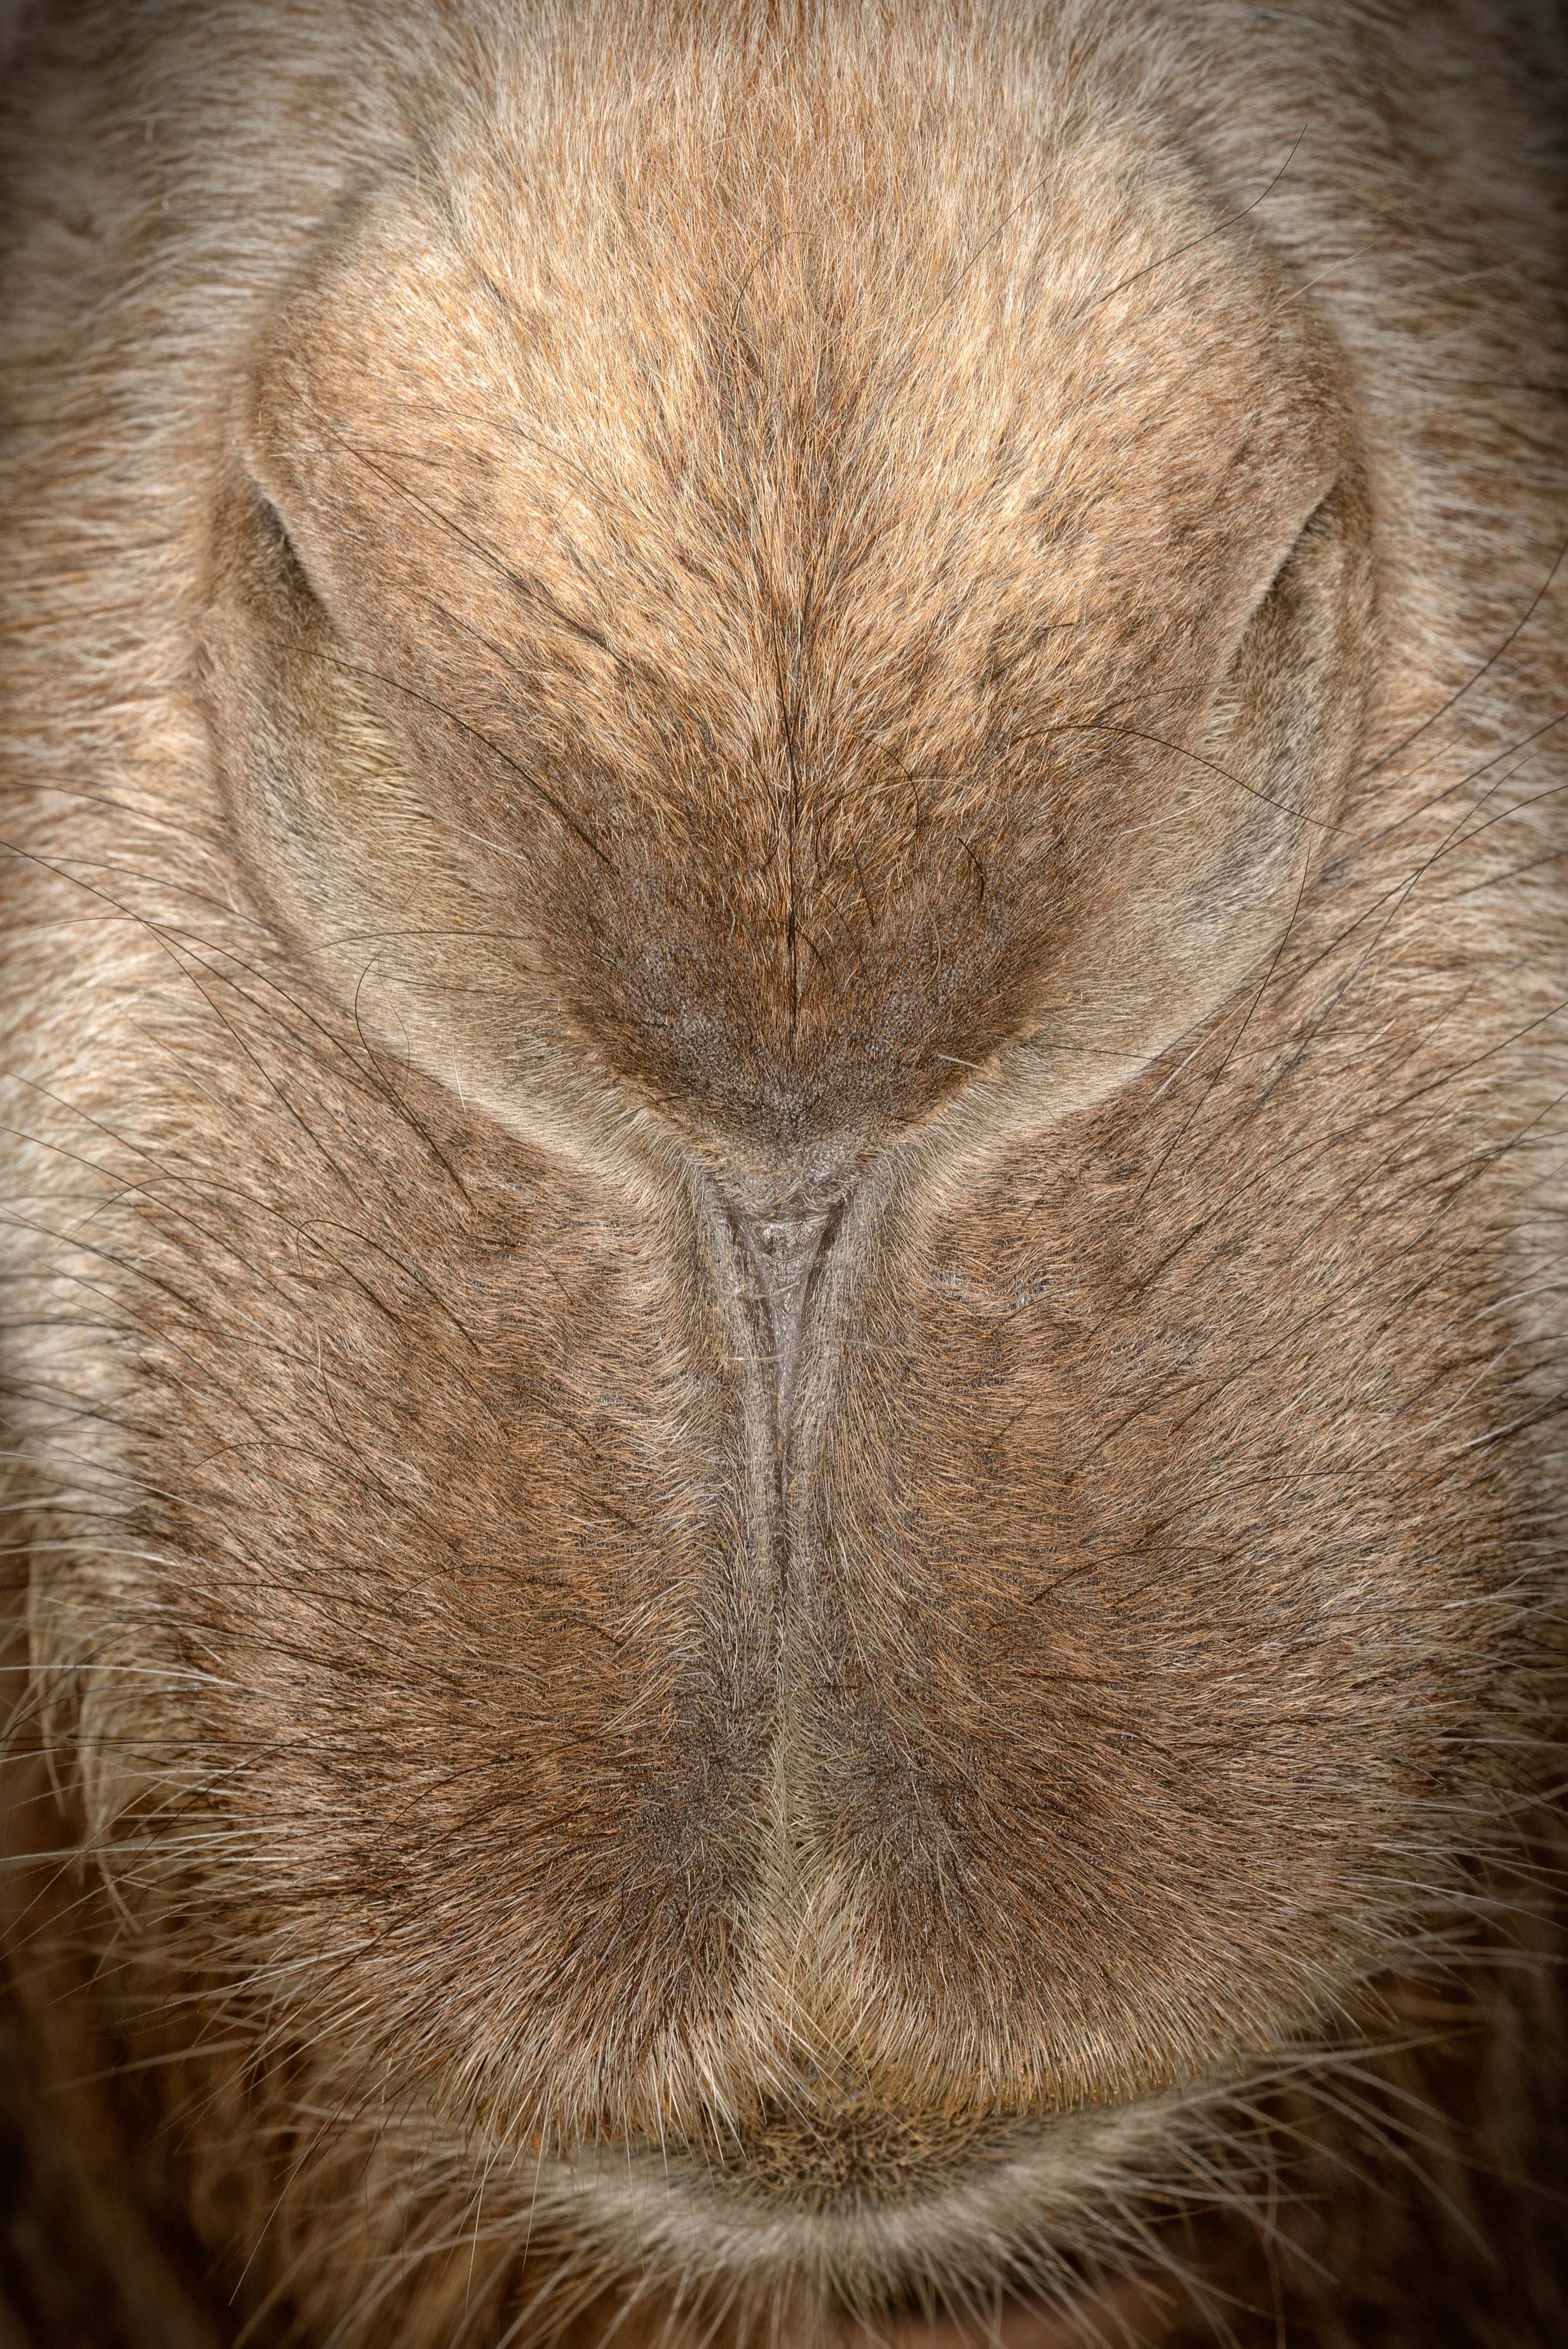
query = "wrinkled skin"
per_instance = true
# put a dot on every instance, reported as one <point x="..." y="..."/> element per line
<point x="783" y="958"/>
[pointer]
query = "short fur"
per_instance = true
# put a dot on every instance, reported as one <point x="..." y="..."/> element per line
<point x="784" y="1046"/>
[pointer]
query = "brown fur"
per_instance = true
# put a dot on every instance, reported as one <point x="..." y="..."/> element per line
<point x="783" y="1047"/>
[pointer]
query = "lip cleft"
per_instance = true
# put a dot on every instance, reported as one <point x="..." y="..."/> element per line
<point x="783" y="1248"/>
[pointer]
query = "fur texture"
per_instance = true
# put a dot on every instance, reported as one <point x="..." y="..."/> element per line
<point x="783" y="1045"/>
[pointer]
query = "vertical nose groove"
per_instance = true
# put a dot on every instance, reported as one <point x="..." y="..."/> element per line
<point x="785" y="1251"/>
<point x="780" y="1246"/>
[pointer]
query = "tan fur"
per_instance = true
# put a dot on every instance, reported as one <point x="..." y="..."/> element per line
<point x="782" y="1042"/>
